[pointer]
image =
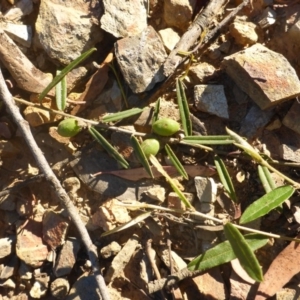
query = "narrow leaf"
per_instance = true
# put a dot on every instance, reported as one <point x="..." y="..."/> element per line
<point x="129" y="224"/>
<point x="266" y="179"/>
<point x="243" y="252"/>
<point x="160" y="169"/>
<point x="266" y="203"/>
<point x="65" y="71"/>
<point x="108" y="147"/>
<point x="183" y="108"/>
<point x="122" y="114"/>
<point x="225" y="178"/>
<point x="224" y="253"/>
<point x="156" y="111"/>
<point x="175" y="161"/>
<point x="141" y="155"/>
<point x="61" y="92"/>
<point x="209" y="140"/>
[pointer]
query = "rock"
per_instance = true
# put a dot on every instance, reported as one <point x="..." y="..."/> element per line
<point x="9" y="284"/>
<point x="25" y="271"/>
<point x="144" y="122"/>
<point x="110" y="250"/>
<point x="267" y="18"/>
<point x="85" y="288"/>
<point x="124" y="18"/>
<point x="30" y="247"/>
<point x="62" y="30"/>
<point x="67" y="258"/>
<point x="175" y="202"/>
<point x="9" y="268"/>
<point x="169" y="37"/>
<point x="266" y="76"/>
<point x="59" y="288"/>
<point x="19" y="10"/>
<point x="243" y="32"/>
<point x="140" y="58"/>
<point x="291" y="119"/>
<point x="40" y="287"/>
<point x="255" y="120"/>
<point x="288" y="152"/>
<point x="201" y="72"/>
<point x="177" y="262"/>
<point x="211" y="99"/>
<point x="179" y="13"/>
<point x="206" y="189"/>
<point x="120" y="261"/>
<point x="156" y="193"/>
<point x="6" y="246"/>
<point x="54" y="229"/>
<point x="21" y="34"/>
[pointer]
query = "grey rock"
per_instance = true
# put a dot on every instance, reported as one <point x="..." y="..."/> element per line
<point x="288" y="152"/>
<point x="140" y="58"/>
<point x="206" y="189"/>
<point x="124" y="18"/>
<point x="67" y="258"/>
<point x="201" y="72"/>
<point x="22" y="34"/>
<point x="291" y="119"/>
<point x="65" y="29"/>
<point x="211" y="99"/>
<point x="20" y="9"/>
<point x="255" y="120"/>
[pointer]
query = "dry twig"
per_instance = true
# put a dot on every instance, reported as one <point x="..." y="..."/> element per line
<point x="56" y="185"/>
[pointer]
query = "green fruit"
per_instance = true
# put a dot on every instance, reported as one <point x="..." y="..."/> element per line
<point x="165" y="127"/>
<point x="150" y="146"/>
<point x="68" y="128"/>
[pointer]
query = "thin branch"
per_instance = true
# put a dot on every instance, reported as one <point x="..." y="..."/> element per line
<point x="54" y="182"/>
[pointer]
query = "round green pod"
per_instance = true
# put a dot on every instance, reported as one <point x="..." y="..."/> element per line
<point x="165" y="127"/>
<point x="150" y="146"/>
<point x="68" y="128"/>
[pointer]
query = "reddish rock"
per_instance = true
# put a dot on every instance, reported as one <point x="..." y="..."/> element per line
<point x="30" y="247"/>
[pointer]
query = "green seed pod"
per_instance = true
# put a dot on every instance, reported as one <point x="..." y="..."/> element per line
<point x="150" y="146"/>
<point x="68" y="128"/>
<point x="165" y="127"/>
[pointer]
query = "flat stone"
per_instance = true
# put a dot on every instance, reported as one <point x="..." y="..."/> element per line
<point x="255" y="120"/>
<point x="179" y="13"/>
<point x="156" y="193"/>
<point x="54" y="229"/>
<point x="6" y="246"/>
<point x="243" y="32"/>
<point x="288" y="152"/>
<point x="85" y="288"/>
<point x="124" y="18"/>
<point x="62" y="30"/>
<point x="20" y="33"/>
<point x="169" y="37"/>
<point x="266" y="76"/>
<point x="175" y="202"/>
<point x="9" y="268"/>
<point x="206" y="189"/>
<point x="140" y="58"/>
<point x="211" y="99"/>
<point x="291" y="119"/>
<point x="201" y="72"/>
<point x="67" y="258"/>
<point x="20" y="9"/>
<point x="30" y="247"/>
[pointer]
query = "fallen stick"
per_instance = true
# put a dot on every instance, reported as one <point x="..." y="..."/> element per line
<point x="61" y="194"/>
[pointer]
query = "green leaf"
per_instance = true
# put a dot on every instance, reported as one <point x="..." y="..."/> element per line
<point x="183" y="108"/>
<point x="266" y="203"/>
<point x="224" y="253"/>
<point x="175" y="161"/>
<point x="156" y="111"/>
<point x="243" y="252"/>
<point x="108" y="147"/>
<point x="129" y="224"/>
<point x="141" y="155"/>
<point x="61" y="92"/>
<point x="65" y="71"/>
<point x="225" y="178"/>
<point x="266" y="178"/>
<point x="209" y="139"/>
<point x="122" y="115"/>
<point x="161" y="170"/>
